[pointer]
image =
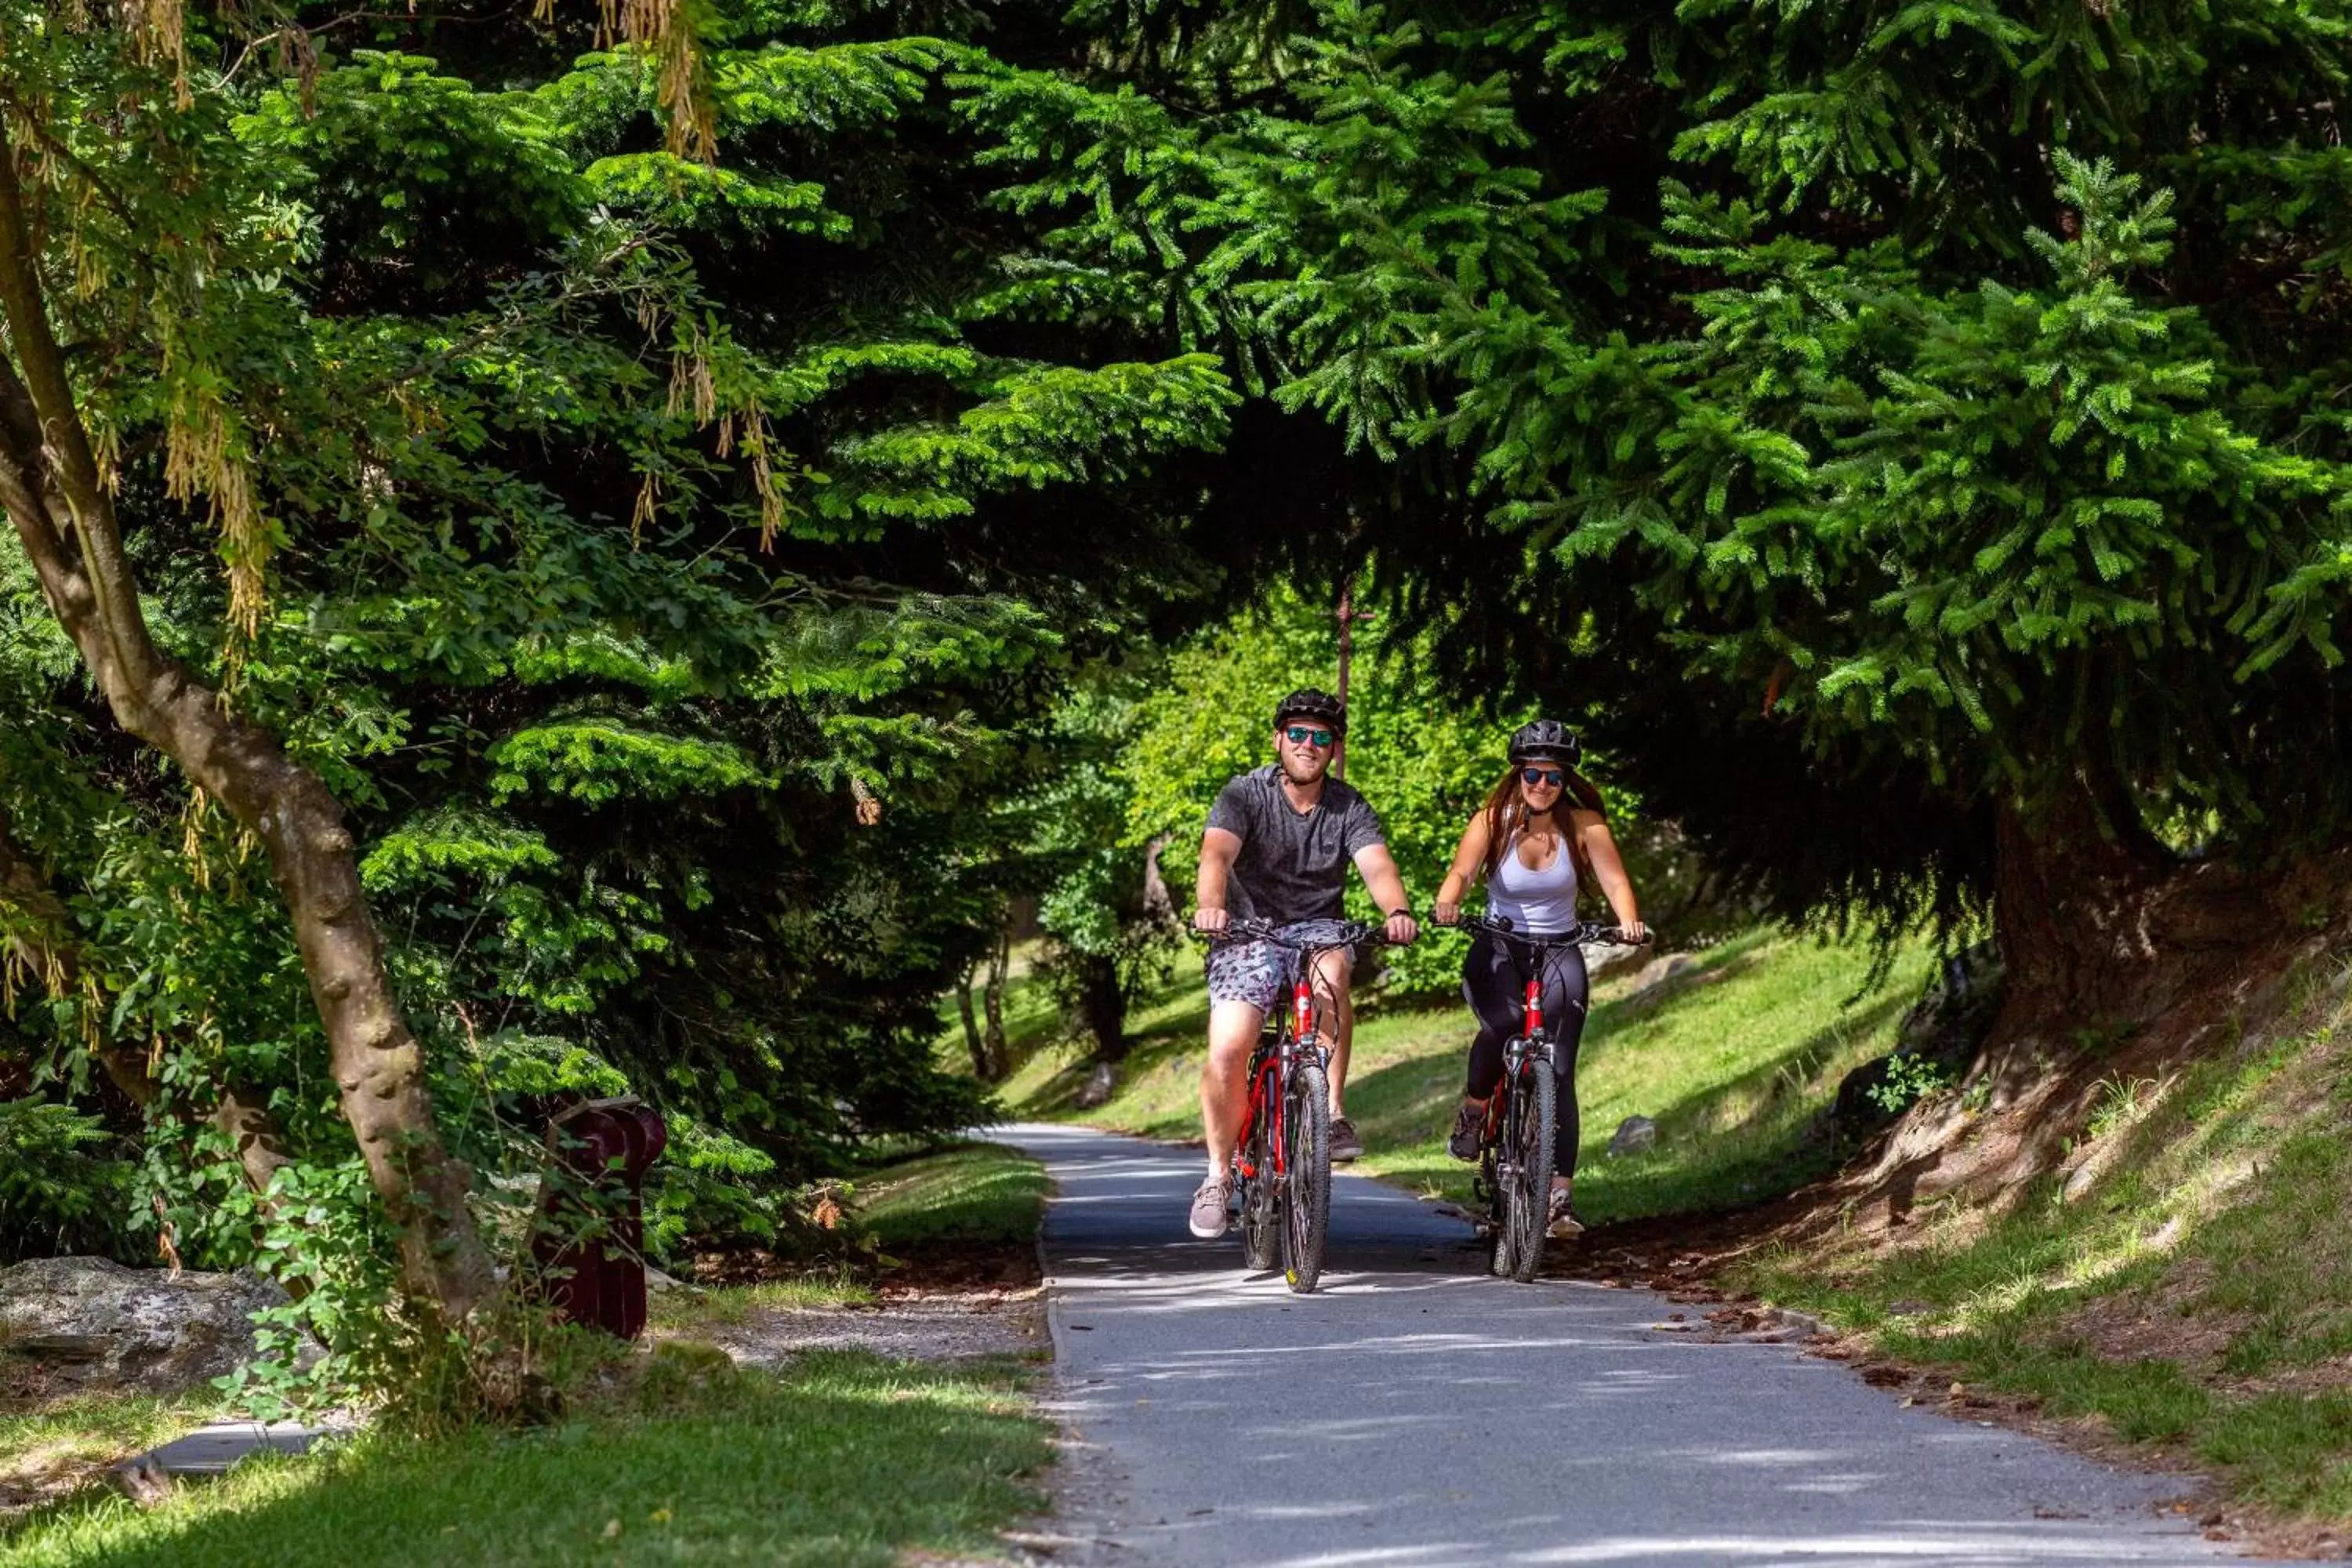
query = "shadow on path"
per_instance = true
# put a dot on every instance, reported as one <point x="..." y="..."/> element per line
<point x="1416" y="1414"/>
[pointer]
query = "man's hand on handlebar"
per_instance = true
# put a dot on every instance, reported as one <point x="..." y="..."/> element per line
<point x="1401" y="929"/>
<point x="1210" y="922"/>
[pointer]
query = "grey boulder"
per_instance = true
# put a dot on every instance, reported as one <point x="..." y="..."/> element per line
<point x="1634" y="1135"/>
<point x="91" y="1323"/>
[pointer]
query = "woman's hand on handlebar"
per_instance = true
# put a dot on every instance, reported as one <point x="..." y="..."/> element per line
<point x="1635" y="931"/>
<point x="1446" y="914"/>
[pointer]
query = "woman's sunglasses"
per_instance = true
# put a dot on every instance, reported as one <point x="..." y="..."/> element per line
<point x="1300" y="734"/>
<point x="1533" y="776"/>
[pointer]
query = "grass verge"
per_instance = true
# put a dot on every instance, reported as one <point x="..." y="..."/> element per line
<point x="842" y="1459"/>
<point x="2183" y="1282"/>
<point x="973" y="1193"/>
<point x="939" y="1215"/>
<point x="1734" y="1059"/>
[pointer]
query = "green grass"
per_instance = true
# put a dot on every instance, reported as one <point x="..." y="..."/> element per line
<point x="842" y="1459"/>
<point x="69" y="1440"/>
<point x="2194" y="1290"/>
<point x="1733" y="1065"/>
<point x="973" y="1193"/>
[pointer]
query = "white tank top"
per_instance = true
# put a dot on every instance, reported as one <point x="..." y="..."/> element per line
<point x="1536" y="903"/>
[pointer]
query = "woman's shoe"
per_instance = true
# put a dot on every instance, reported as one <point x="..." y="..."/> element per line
<point x="1468" y="1123"/>
<point x="1561" y="1223"/>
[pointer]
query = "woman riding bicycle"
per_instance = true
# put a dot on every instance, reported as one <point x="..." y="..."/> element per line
<point x="1541" y="827"/>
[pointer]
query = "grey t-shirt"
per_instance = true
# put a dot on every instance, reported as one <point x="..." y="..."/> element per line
<point x="1292" y="866"/>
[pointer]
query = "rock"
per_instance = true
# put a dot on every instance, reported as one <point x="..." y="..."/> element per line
<point x="1787" y="1322"/>
<point x="142" y="1480"/>
<point x="94" y="1324"/>
<point x="1096" y="1090"/>
<point x="1634" y="1135"/>
<point x="1657" y="973"/>
<point x="1602" y="957"/>
<point x="1942" y="1029"/>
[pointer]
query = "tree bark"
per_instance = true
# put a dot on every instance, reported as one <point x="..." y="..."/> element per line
<point x="51" y="488"/>
<point x="971" y="1038"/>
<point x="1000" y="1053"/>
<point x="1102" y="1005"/>
<point x="2102" y="932"/>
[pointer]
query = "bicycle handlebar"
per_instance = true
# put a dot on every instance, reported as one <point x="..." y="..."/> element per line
<point x="1582" y="932"/>
<point x="1346" y="933"/>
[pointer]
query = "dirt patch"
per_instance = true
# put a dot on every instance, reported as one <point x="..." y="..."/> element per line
<point x="942" y="1301"/>
<point x="945" y="1327"/>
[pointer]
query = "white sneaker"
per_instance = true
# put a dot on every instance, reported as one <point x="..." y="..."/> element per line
<point x="1208" y="1205"/>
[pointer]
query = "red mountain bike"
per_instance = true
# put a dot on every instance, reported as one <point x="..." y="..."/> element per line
<point x="1516" y="1157"/>
<point x="1282" y="1165"/>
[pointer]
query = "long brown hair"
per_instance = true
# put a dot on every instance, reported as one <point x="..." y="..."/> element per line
<point x="1506" y="813"/>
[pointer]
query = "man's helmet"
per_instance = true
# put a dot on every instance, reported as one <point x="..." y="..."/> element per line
<point x="1318" y="707"/>
<point x="1545" y="740"/>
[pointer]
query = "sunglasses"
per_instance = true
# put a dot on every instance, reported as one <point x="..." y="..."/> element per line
<point x="1533" y="776"/>
<point x="1299" y="734"/>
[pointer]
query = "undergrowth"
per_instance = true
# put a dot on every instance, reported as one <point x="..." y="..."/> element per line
<point x="2184" y="1278"/>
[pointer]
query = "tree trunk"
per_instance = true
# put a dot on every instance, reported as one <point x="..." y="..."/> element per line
<point x="1158" y="903"/>
<point x="1102" y="1005"/>
<point x="971" y="1040"/>
<point x="999" y="1053"/>
<point x="2119" y="962"/>
<point x="2102" y="932"/>
<point x="51" y="488"/>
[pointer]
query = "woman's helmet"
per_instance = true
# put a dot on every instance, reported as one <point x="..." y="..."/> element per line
<point x="1545" y="740"/>
<point x="1316" y="707"/>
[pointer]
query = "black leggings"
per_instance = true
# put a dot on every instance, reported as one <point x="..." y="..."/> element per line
<point x="1495" y="984"/>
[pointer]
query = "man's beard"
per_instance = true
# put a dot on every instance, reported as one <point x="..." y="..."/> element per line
<point x="1303" y="772"/>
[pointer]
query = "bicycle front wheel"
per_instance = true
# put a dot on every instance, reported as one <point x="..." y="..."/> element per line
<point x="1306" y="1181"/>
<point x="1529" y="1193"/>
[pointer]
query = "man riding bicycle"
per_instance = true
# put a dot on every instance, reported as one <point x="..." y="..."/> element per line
<point x="1277" y="849"/>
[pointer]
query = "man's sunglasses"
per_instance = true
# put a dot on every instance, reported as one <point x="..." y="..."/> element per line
<point x="1533" y="776"/>
<point x="1300" y="734"/>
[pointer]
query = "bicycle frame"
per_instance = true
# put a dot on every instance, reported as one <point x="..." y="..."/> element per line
<point x="1270" y="1067"/>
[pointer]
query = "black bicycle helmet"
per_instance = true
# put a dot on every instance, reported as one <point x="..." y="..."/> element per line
<point x="1545" y="740"/>
<point x="1318" y="707"/>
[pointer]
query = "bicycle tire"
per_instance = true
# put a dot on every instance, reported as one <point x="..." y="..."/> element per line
<point x="1534" y="1108"/>
<point x="1261" y="1232"/>
<point x="1306" y="1182"/>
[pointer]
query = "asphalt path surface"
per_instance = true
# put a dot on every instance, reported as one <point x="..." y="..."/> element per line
<point x="1415" y="1413"/>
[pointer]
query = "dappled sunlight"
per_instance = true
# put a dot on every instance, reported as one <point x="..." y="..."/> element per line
<point x="1417" y="1411"/>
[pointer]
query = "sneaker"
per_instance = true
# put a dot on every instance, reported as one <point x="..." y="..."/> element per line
<point x="1209" y="1206"/>
<point x="1345" y="1144"/>
<point x="1561" y="1223"/>
<point x="1468" y="1123"/>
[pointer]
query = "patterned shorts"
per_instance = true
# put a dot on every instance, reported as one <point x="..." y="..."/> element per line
<point x="1258" y="972"/>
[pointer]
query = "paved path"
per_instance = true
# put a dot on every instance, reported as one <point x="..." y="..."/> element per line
<point x="1415" y="1414"/>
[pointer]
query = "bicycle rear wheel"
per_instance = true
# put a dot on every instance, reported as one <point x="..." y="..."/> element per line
<point x="1261" y="1242"/>
<point x="1529" y="1192"/>
<point x="1306" y="1182"/>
